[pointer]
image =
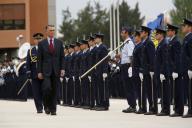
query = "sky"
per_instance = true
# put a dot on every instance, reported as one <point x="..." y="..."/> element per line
<point x="148" y="8"/>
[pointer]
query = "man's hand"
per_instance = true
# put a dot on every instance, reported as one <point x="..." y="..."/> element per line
<point x="40" y="76"/>
<point x="62" y="73"/>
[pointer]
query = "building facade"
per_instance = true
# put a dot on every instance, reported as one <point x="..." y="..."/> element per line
<point x="23" y="17"/>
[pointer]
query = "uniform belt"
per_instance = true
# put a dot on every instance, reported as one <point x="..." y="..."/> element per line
<point x="128" y="64"/>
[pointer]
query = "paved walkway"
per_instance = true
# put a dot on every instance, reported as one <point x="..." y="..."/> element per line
<point x="14" y="114"/>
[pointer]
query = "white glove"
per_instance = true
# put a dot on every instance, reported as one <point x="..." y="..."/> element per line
<point x="162" y="77"/>
<point x="67" y="79"/>
<point x="151" y="74"/>
<point x="104" y="75"/>
<point x="61" y="79"/>
<point x="174" y="75"/>
<point x="141" y="76"/>
<point x="73" y="78"/>
<point x="89" y="77"/>
<point x="190" y="74"/>
<point x="130" y="71"/>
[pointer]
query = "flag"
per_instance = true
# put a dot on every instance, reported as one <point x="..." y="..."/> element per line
<point x="158" y="22"/>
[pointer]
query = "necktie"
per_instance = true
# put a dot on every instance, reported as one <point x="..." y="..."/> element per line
<point x="51" y="48"/>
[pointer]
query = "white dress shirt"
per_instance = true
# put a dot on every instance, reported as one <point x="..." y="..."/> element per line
<point x="127" y="51"/>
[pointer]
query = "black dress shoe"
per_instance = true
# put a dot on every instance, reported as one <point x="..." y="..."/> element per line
<point x="188" y="115"/>
<point x="102" y="109"/>
<point x="150" y="113"/>
<point x="47" y="111"/>
<point x="86" y="107"/>
<point x="39" y="111"/>
<point x="129" y="110"/>
<point x="163" y="114"/>
<point x="53" y="113"/>
<point x="140" y="111"/>
<point x="176" y="115"/>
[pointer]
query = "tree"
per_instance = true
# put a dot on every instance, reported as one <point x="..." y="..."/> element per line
<point x="182" y="10"/>
<point x="130" y="17"/>
<point x="84" y="22"/>
<point x="67" y="27"/>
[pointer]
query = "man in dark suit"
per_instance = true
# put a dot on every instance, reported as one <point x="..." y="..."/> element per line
<point x="50" y="68"/>
<point x="186" y="63"/>
<point x="31" y="64"/>
<point x="174" y="52"/>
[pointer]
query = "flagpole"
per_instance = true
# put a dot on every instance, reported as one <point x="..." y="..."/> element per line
<point x="114" y="26"/>
<point x="118" y="27"/>
<point x="111" y="29"/>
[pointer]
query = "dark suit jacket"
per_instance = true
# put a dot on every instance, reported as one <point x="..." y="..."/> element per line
<point x="50" y="64"/>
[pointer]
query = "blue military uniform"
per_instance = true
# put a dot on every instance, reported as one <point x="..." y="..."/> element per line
<point x="161" y="67"/>
<point x="84" y="65"/>
<point x="22" y="77"/>
<point x="92" y="75"/>
<point x="77" y="88"/>
<point x="186" y="64"/>
<point x="65" y="81"/>
<point x="71" y="82"/>
<point x="31" y="65"/>
<point x="148" y="52"/>
<point x="101" y="85"/>
<point x="174" y="52"/>
<point x="136" y="69"/>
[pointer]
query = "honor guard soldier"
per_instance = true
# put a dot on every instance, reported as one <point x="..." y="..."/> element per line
<point x="66" y="76"/>
<point x="136" y="67"/>
<point x="71" y="82"/>
<point x="126" y="60"/>
<point x="85" y="99"/>
<point x="147" y="74"/>
<point x="186" y="63"/>
<point x="92" y="75"/>
<point x="76" y="89"/>
<point x="102" y="74"/>
<point x="31" y="64"/>
<point x="174" y="52"/>
<point x="162" y="71"/>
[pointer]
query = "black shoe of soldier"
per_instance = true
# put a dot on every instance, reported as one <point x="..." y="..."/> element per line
<point x="86" y="107"/>
<point x="129" y="110"/>
<point x="140" y="111"/>
<point x="188" y="115"/>
<point x="150" y="113"/>
<point x="176" y="115"/>
<point x="102" y="109"/>
<point x="47" y="111"/>
<point x="39" y="111"/>
<point x="163" y="113"/>
<point x="53" y="113"/>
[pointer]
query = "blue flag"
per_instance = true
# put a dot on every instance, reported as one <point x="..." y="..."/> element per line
<point x="157" y="22"/>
